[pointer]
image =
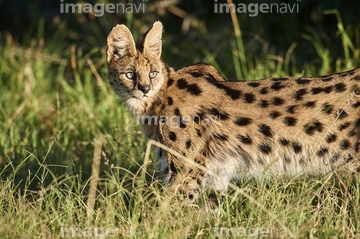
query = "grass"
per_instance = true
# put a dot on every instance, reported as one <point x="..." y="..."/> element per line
<point x="58" y="115"/>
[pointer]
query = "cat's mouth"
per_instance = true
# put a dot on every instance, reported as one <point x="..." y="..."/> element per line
<point x="144" y="97"/>
<point x="140" y="95"/>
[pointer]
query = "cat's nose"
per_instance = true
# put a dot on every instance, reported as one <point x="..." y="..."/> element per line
<point x="144" y="88"/>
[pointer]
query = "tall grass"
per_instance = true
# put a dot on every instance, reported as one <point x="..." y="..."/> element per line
<point x="58" y="114"/>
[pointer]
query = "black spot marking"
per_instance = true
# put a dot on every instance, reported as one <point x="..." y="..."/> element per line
<point x="322" y="151"/>
<point x="170" y="101"/>
<point x="327" y="78"/>
<point x="170" y="82"/>
<point x="331" y="138"/>
<point x="219" y="114"/>
<point x="260" y="160"/>
<point x="356" y="105"/>
<point x="284" y="141"/>
<point x="286" y="159"/>
<point x="357" y="122"/>
<point x="313" y="126"/>
<point x="193" y="89"/>
<point x="357" y="146"/>
<point x="265" y="148"/>
<point x="310" y="104"/>
<point x="352" y="133"/>
<point x="245" y="139"/>
<point x="168" y="71"/>
<point x="172" y="167"/>
<point x="264" y="91"/>
<point x="205" y="153"/>
<point x="196" y="74"/>
<point x="198" y="132"/>
<point x="182" y="84"/>
<point x="265" y="130"/>
<point x="253" y="84"/>
<point x="343" y="126"/>
<point x="179" y="118"/>
<point x="188" y="143"/>
<point x="302" y="81"/>
<point x="182" y="123"/>
<point x="349" y="158"/>
<point x="277" y="101"/>
<point x="172" y="136"/>
<point x="234" y="94"/>
<point x="263" y="103"/>
<point x="327" y="108"/>
<point x="158" y="102"/>
<point x="299" y="94"/>
<point x="345" y="144"/>
<point x="274" y="114"/>
<point x="334" y="158"/>
<point x="222" y="137"/>
<point x="316" y="90"/>
<point x="249" y="98"/>
<point x="277" y="86"/>
<point x="177" y="111"/>
<point x="243" y="121"/>
<point x="297" y="147"/>
<point x="290" y="121"/>
<point x="341" y="114"/>
<point x="291" y="109"/>
<point x="340" y="87"/>
<point x="356" y="78"/>
<point x="328" y="89"/>
<point x="199" y="117"/>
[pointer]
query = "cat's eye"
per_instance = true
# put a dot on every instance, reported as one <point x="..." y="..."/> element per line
<point x="153" y="74"/>
<point x="130" y="75"/>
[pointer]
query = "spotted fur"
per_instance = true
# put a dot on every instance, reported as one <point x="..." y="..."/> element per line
<point x="234" y="129"/>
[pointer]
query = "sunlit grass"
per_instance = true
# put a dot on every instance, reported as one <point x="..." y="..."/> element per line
<point x="55" y="102"/>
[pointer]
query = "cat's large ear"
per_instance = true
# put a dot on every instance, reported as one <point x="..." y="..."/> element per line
<point x="152" y="43"/>
<point x="120" y="42"/>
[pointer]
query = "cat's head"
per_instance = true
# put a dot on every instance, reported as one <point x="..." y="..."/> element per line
<point x="135" y="69"/>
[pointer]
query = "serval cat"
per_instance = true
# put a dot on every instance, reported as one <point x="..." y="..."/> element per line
<point x="233" y="129"/>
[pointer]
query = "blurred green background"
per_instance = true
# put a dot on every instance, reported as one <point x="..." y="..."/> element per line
<point x="193" y="32"/>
